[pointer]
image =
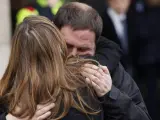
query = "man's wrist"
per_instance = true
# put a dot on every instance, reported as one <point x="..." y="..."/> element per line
<point x="111" y="95"/>
<point x="104" y="97"/>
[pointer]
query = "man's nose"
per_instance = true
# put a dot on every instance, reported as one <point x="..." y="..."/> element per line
<point x="74" y="52"/>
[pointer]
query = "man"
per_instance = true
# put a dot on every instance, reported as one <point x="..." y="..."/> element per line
<point x="81" y="26"/>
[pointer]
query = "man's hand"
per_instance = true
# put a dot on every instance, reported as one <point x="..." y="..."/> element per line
<point x="98" y="77"/>
<point x="42" y="112"/>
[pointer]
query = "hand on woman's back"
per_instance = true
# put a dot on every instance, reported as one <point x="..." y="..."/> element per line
<point x="42" y="112"/>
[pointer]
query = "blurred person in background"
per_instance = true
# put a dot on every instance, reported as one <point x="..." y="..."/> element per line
<point x="115" y="27"/>
<point x="47" y="8"/>
<point x="145" y="50"/>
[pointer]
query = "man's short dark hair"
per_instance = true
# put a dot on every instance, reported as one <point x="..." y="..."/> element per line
<point x="79" y="16"/>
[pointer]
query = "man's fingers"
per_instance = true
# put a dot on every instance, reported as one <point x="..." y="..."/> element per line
<point x="95" y="80"/>
<point x="92" y="77"/>
<point x="96" y="73"/>
<point x="40" y="106"/>
<point x="93" y="84"/>
<point x="101" y="71"/>
<point x="105" y="69"/>
<point x="91" y="66"/>
<point x="89" y="70"/>
<point x="45" y="109"/>
<point x="85" y="74"/>
<point x="44" y="116"/>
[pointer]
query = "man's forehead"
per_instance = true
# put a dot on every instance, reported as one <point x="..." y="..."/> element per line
<point x="79" y="43"/>
<point x="77" y="32"/>
<point x="78" y="37"/>
<point x="83" y="32"/>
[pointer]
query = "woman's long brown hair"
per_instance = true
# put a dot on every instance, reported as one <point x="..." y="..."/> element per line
<point x="39" y="72"/>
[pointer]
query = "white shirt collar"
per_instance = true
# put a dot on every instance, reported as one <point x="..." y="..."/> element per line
<point x="114" y="14"/>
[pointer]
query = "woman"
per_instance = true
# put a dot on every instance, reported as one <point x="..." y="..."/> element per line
<point x="40" y="72"/>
